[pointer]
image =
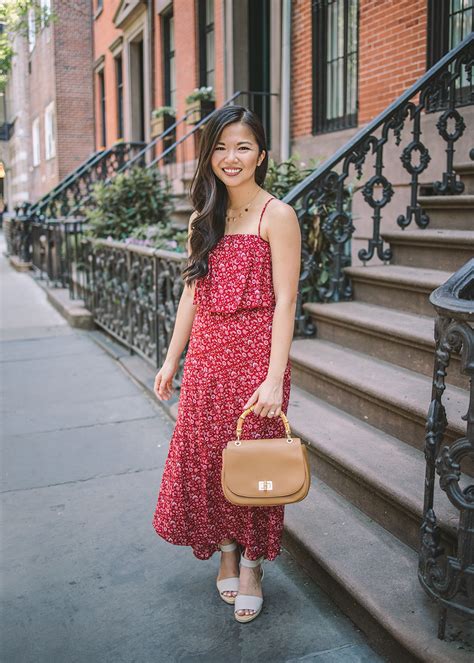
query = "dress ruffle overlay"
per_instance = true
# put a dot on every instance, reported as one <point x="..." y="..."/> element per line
<point x="227" y="359"/>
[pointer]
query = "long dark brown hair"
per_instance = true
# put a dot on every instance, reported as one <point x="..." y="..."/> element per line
<point x="209" y="194"/>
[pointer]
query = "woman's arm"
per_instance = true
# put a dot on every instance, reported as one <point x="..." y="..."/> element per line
<point x="285" y="242"/>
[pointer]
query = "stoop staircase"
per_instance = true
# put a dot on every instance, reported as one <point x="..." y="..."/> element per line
<point x="360" y="396"/>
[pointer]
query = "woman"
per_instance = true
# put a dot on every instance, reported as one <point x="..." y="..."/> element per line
<point x="237" y="311"/>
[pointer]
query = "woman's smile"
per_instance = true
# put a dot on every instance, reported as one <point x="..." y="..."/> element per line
<point x="232" y="172"/>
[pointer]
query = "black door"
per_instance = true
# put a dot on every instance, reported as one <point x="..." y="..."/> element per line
<point x="259" y="60"/>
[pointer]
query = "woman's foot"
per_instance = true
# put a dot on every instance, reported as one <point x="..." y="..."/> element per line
<point x="229" y="566"/>
<point x="250" y="583"/>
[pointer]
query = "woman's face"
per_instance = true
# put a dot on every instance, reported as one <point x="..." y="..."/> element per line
<point x="236" y="155"/>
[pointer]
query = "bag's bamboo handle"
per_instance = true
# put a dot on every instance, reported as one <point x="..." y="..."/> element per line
<point x="240" y="422"/>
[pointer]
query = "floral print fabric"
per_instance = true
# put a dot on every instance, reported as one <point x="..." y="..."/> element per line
<point x="227" y="359"/>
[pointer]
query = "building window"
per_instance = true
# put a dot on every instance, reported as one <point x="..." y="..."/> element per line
<point x="45" y="11"/>
<point x="335" y="26"/>
<point x="31" y="29"/>
<point x="169" y="61"/>
<point x="448" y="24"/>
<point x="49" y="140"/>
<point x="206" y="43"/>
<point x="103" y="131"/>
<point x="35" y="133"/>
<point x="119" y="84"/>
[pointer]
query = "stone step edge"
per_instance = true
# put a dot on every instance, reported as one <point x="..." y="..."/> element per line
<point x="388" y="488"/>
<point x="462" y="201"/>
<point x="464" y="167"/>
<point x="371" y="325"/>
<point x="336" y="374"/>
<point x="397" y="276"/>
<point x="403" y="611"/>
<point x="454" y="238"/>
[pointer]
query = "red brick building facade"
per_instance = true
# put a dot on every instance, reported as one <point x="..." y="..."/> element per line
<point x="325" y="68"/>
<point x="49" y="102"/>
<point x="368" y="51"/>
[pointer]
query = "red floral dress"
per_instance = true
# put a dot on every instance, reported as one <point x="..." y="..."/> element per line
<point x="227" y="359"/>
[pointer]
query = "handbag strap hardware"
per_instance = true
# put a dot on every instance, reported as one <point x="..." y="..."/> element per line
<point x="241" y="419"/>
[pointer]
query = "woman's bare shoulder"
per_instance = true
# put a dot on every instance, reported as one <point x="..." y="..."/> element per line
<point x="282" y="219"/>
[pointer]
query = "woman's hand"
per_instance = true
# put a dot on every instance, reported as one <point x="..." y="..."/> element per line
<point x="163" y="387"/>
<point x="268" y="398"/>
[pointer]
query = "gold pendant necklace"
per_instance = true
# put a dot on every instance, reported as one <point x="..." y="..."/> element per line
<point x="230" y="218"/>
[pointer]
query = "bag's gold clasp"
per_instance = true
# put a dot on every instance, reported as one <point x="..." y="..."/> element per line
<point x="265" y="485"/>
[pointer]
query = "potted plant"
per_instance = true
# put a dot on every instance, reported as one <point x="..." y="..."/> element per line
<point x="199" y="103"/>
<point x="161" y="120"/>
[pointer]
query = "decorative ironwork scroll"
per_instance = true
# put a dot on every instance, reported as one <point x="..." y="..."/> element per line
<point x="133" y="293"/>
<point x="319" y="199"/>
<point x="449" y="578"/>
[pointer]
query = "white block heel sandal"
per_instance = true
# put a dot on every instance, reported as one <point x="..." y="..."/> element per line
<point x="228" y="584"/>
<point x="247" y="601"/>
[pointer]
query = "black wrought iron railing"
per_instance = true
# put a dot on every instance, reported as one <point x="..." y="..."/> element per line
<point x="133" y="293"/>
<point x="68" y="196"/>
<point x="55" y="255"/>
<point x="325" y="189"/>
<point x="448" y="575"/>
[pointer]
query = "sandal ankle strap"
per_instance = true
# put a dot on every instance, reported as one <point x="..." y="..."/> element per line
<point x="251" y="563"/>
<point x="228" y="547"/>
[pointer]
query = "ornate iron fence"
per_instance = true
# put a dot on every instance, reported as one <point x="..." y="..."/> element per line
<point x="449" y="578"/>
<point x="133" y="293"/>
<point x="320" y="199"/>
<point x="56" y="251"/>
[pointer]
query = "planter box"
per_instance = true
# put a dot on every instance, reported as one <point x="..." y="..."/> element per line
<point x="160" y="124"/>
<point x="199" y="109"/>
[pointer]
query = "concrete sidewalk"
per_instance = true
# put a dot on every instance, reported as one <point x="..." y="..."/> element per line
<point x="84" y="576"/>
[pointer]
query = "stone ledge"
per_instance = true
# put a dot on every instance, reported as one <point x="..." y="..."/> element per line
<point x="19" y="265"/>
<point x="72" y="310"/>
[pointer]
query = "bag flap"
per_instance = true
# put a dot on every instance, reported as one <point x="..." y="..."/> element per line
<point x="256" y="460"/>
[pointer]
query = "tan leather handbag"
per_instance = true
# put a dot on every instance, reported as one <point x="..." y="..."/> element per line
<point x="265" y="471"/>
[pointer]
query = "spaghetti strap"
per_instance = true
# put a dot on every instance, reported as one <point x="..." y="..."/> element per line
<point x="263" y="210"/>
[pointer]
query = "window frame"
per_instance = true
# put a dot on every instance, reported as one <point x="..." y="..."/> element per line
<point x="206" y="27"/>
<point x="169" y="93"/>
<point x="31" y="29"/>
<point x="102" y="106"/>
<point x="119" y="87"/>
<point x="438" y="30"/>
<point x="320" y="122"/>
<point x="36" y="142"/>
<point x="49" y="131"/>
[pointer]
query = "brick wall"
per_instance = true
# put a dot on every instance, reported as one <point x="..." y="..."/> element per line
<point x="301" y="85"/>
<point x="104" y="35"/>
<point x="74" y="95"/>
<point x="392" y="56"/>
<point x="392" y="51"/>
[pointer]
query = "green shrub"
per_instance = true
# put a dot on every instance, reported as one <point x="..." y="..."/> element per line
<point x="282" y="177"/>
<point x="135" y="198"/>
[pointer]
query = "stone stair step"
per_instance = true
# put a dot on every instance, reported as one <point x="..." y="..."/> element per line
<point x="449" y="212"/>
<point x="404" y="339"/>
<point x="446" y="249"/>
<point x="352" y="457"/>
<point x="391" y="398"/>
<point x="397" y="286"/>
<point x="371" y="575"/>
<point x="466" y="173"/>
